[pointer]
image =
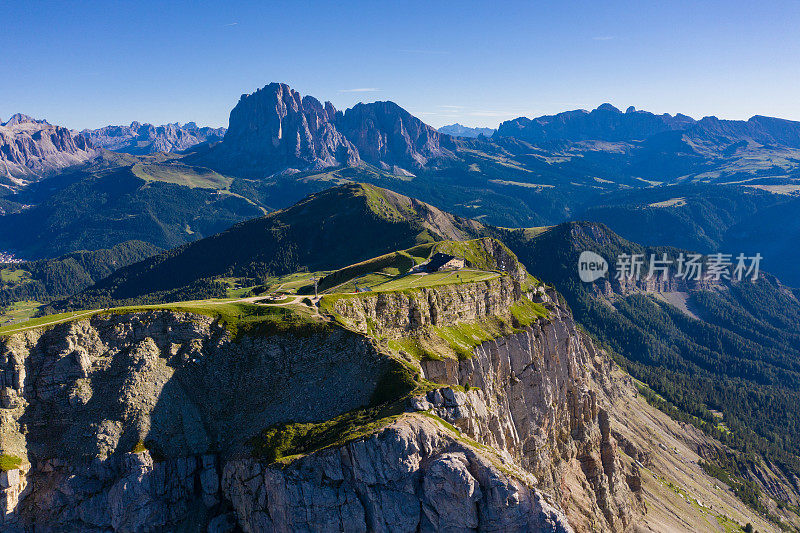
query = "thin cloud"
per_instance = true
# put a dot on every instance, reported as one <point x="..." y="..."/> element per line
<point x="360" y="90"/>
<point x="230" y="24"/>
<point x="461" y="112"/>
<point x="490" y="114"/>
<point x="426" y="52"/>
<point x="604" y="38"/>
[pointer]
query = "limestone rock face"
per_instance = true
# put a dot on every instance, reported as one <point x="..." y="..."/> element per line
<point x="83" y="396"/>
<point x="141" y="422"/>
<point x="396" y="313"/>
<point x="147" y="138"/>
<point x="537" y="396"/>
<point x="30" y="149"/>
<point x="410" y="477"/>
<point x="275" y="129"/>
<point x="389" y="136"/>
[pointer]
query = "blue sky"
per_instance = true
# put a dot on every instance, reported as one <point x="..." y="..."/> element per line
<point x="89" y="64"/>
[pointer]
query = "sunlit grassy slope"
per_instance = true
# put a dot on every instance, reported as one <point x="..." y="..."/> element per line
<point x="179" y="174"/>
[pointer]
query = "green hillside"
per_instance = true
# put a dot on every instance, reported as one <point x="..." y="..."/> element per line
<point x="123" y="198"/>
<point x="26" y="286"/>
<point x="325" y="231"/>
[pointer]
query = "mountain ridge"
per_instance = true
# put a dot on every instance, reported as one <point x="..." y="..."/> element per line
<point x="276" y="129"/>
<point x="306" y="235"/>
<point x="513" y="363"/>
<point x="458" y="130"/>
<point x="31" y="149"/>
<point x="145" y="138"/>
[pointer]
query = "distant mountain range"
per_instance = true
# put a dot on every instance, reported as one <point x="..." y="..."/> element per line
<point x="147" y="139"/>
<point x="276" y="130"/>
<point x="606" y="123"/>
<point x="281" y="146"/>
<point x="457" y="130"/>
<point x="31" y="148"/>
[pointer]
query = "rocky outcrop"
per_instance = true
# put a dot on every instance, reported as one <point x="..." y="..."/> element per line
<point x="539" y="396"/>
<point x="275" y="129"/>
<point x="182" y="380"/>
<point x="397" y="314"/>
<point x="142" y="422"/>
<point x="147" y="138"/>
<point x="79" y="398"/>
<point x="388" y="136"/>
<point x="30" y="149"/>
<point x="411" y="476"/>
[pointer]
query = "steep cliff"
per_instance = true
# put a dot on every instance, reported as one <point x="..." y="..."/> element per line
<point x="275" y="129"/>
<point x="90" y="404"/>
<point x="31" y="148"/>
<point x="143" y="421"/>
<point x="536" y="392"/>
<point x="414" y="475"/>
<point x="389" y="136"/>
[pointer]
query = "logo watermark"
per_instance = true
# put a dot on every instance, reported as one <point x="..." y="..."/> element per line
<point x="591" y="266"/>
<point x="694" y="267"/>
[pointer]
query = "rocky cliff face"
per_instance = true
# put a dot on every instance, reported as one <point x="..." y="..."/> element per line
<point x="389" y="136"/>
<point x="414" y="475"/>
<point x="147" y="138"/>
<point x="397" y="314"/>
<point x="276" y="129"/>
<point x="87" y="403"/>
<point x="540" y="396"/>
<point x="141" y="422"/>
<point x="32" y="148"/>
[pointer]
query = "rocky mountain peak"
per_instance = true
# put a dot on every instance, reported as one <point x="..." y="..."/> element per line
<point x="31" y="148"/>
<point x="608" y="107"/>
<point x="276" y="128"/>
<point x="19" y="118"/>
<point x="388" y="135"/>
<point x="139" y="138"/>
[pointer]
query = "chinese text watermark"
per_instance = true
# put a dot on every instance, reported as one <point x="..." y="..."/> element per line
<point x="694" y="267"/>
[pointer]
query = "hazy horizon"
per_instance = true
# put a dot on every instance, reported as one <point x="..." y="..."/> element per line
<point x="94" y="64"/>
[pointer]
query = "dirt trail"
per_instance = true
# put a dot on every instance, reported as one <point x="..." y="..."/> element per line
<point x="59" y="321"/>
